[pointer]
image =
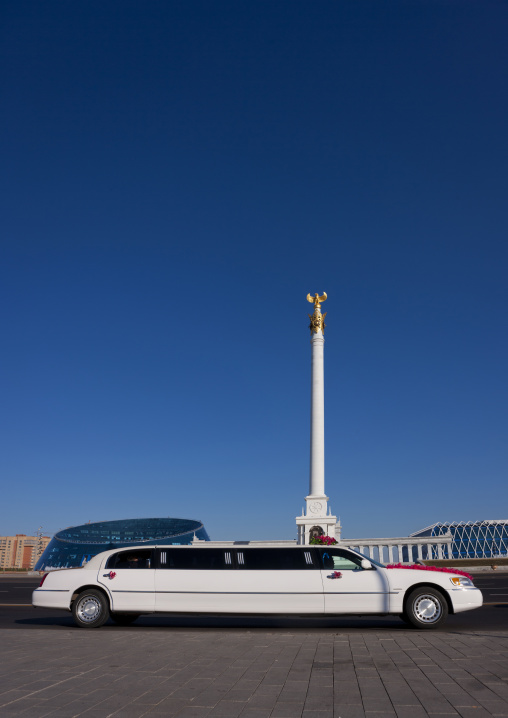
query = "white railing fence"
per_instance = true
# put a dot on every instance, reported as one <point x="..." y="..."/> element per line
<point x="403" y="550"/>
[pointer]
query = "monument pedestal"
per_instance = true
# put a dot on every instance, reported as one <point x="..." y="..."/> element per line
<point x="317" y="520"/>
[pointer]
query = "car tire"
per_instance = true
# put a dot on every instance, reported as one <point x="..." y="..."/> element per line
<point x="90" y="609"/>
<point x="124" y="619"/>
<point x="426" y="608"/>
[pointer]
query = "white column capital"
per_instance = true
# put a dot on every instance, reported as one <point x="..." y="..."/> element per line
<point x="317" y="338"/>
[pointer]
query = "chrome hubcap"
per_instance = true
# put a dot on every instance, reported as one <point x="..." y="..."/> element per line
<point x="89" y="609"/>
<point x="427" y="609"/>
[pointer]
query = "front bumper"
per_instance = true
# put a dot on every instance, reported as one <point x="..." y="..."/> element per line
<point x="465" y="599"/>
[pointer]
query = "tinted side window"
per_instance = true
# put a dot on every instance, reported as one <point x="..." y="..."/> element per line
<point x="199" y="559"/>
<point x="275" y="559"/>
<point x="137" y="558"/>
<point x="111" y="561"/>
<point x="338" y="559"/>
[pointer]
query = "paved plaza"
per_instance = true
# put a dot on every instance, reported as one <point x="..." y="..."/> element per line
<point x="259" y="673"/>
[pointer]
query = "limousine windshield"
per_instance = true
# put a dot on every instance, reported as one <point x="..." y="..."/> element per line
<point x="372" y="560"/>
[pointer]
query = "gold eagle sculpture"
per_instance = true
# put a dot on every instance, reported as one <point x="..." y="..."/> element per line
<point x="317" y="320"/>
<point x="316" y="299"/>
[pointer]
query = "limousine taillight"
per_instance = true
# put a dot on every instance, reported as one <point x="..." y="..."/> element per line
<point x="43" y="579"/>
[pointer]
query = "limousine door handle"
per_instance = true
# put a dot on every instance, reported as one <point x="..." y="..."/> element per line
<point x="335" y="574"/>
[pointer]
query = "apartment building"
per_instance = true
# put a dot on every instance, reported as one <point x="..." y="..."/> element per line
<point x="21" y="551"/>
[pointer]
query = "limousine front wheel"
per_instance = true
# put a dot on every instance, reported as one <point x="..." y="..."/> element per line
<point x="90" y="609"/>
<point x="425" y="608"/>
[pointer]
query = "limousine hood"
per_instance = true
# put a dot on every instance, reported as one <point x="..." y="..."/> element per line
<point x="401" y="578"/>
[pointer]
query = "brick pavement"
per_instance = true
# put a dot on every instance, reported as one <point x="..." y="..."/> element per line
<point x="258" y="673"/>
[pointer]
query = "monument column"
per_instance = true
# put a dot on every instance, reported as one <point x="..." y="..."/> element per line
<point x="317" y="519"/>
<point x="317" y="417"/>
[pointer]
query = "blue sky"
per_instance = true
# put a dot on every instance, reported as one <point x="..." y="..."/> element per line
<point x="175" y="178"/>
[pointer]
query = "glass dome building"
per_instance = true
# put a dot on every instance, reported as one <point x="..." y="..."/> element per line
<point x="473" y="539"/>
<point x="74" y="546"/>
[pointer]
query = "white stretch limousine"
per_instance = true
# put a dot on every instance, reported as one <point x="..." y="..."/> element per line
<point x="303" y="580"/>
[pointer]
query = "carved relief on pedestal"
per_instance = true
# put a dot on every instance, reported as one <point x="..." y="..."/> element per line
<point x="316" y="532"/>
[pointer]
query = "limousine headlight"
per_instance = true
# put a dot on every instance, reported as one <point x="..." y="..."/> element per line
<point x="462" y="582"/>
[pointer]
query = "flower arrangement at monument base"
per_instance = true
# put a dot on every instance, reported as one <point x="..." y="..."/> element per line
<point x="323" y="541"/>
<point x="441" y="569"/>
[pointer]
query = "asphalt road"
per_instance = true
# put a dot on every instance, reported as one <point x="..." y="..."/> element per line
<point x="16" y="611"/>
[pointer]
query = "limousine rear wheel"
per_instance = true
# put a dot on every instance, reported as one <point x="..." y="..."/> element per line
<point x="425" y="608"/>
<point x="90" y="609"/>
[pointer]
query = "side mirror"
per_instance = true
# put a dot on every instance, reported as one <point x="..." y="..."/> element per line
<point x="366" y="564"/>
